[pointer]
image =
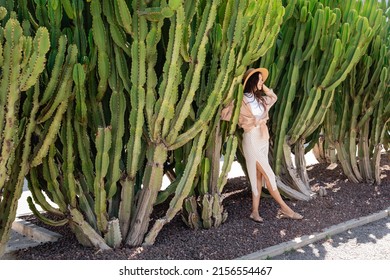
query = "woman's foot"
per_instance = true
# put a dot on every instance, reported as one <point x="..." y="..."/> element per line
<point x="256" y="218"/>
<point x="283" y="215"/>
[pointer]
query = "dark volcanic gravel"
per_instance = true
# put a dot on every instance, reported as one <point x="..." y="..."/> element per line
<point x="239" y="235"/>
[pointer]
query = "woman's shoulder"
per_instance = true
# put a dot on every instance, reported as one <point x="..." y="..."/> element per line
<point x="249" y="97"/>
<point x="246" y="95"/>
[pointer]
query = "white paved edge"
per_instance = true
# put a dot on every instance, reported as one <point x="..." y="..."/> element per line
<point x="34" y="232"/>
<point x="308" y="239"/>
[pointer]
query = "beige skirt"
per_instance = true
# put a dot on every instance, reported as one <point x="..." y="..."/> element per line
<point x="256" y="150"/>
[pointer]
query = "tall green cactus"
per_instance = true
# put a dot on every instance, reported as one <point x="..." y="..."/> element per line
<point x="166" y="122"/>
<point x="250" y="33"/>
<point x="361" y="129"/>
<point x="43" y="158"/>
<point x="310" y="62"/>
<point x="22" y="62"/>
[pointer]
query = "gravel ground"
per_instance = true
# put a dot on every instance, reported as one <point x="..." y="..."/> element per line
<point x="239" y="235"/>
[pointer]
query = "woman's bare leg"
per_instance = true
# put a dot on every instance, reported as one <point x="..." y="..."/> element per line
<point x="275" y="194"/>
<point x="256" y="198"/>
<point x="278" y="198"/>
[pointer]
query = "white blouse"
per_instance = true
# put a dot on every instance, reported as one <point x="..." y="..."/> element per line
<point x="256" y="107"/>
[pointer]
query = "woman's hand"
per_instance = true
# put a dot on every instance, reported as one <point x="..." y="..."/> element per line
<point x="265" y="89"/>
<point x="270" y="93"/>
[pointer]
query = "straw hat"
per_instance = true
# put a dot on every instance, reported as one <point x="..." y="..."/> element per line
<point x="251" y="71"/>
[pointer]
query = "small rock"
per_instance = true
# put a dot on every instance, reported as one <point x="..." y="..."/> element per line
<point x="322" y="191"/>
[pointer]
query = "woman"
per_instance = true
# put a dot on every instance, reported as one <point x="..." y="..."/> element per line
<point x="257" y="101"/>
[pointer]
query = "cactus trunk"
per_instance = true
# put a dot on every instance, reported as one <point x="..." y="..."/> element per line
<point x="156" y="156"/>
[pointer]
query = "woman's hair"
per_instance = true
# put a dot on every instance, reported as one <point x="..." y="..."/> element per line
<point x="252" y="90"/>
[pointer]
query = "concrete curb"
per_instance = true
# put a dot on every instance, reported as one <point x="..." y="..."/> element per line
<point x="18" y="241"/>
<point x="25" y="235"/>
<point x="308" y="239"/>
<point x="34" y="232"/>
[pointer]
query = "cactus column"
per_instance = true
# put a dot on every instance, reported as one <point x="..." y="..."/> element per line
<point x="358" y="131"/>
<point x="22" y="60"/>
<point x="165" y="123"/>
